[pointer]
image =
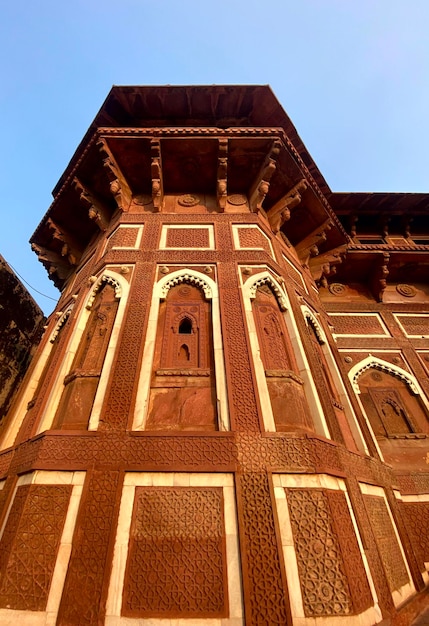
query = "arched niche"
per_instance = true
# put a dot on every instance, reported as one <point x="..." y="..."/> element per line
<point x="189" y="362"/>
<point x="391" y="398"/>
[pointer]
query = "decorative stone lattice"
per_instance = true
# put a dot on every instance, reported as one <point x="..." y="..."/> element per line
<point x="415" y="324"/>
<point x="188" y="237"/>
<point x="357" y="325"/>
<point x="176" y="563"/>
<point x="123" y="237"/>
<point x="32" y="537"/>
<point x="325" y="589"/>
<point x="253" y="238"/>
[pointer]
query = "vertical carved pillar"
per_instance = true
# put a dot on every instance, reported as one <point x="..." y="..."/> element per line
<point x="85" y="588"/>
<point x="243" y="403"/>
<point x="265" y="593"/>
<point x="127" y="362"/>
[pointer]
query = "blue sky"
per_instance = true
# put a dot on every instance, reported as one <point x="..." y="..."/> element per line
<point x="352" y="75"/>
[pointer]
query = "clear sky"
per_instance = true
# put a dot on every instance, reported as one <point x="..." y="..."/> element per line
<point x="353" y="75"/>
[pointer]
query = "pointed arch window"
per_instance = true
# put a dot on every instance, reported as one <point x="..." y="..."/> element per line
<point x="183" y="387"/>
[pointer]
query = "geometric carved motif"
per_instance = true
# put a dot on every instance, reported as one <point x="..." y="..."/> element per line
<point x="32" y="537"/>
<point x="81" y="602"/>
<point x="357" y="325"/>
<point x="244" y="413"/>
<point x="387" y="542"/>
<point x="253" y="238"/>
<point x="416" y="517"/>
<point x="264" y="585"/>
<point x="415" y="325"/>
<point x="176" y="562"/>
<point x="188" y="237"/>
<point x="123" y="237"/>
<point x="324" y="584"/>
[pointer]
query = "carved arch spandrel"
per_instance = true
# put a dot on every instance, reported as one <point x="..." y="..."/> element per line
<point x="160" y="292"/>
<point x="121" y="289"/>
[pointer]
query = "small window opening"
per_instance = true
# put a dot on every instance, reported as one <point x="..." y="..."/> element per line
<point x="185" y="327"/>
<point x="184" y="354"/>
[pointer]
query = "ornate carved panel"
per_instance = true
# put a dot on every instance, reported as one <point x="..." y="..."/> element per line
<point x="176" y="562"/>
<point x="352" y="558"/>
<point x="187" y="237"/>
<point x="414" y="325"/>
<point x="30" y="545"/>
<point x="355" y="324"/>
<point x="416" y="518"/>
<point x="324" y="584"/>
<point x="124" y="237"/>
<point x="253" y="237"/>
<point x="387" y="542"/>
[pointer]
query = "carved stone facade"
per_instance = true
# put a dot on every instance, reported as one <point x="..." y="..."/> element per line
<point x="227" y="419"/>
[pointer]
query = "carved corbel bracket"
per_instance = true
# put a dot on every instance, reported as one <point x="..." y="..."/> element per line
<point x="261" y="185"/>
<point x="324" y="265"/>
<point x="156" y="173"/>
<point x="280" y="212"/>
<point x="222" y="166"/>
<point x="69" y="249"/>
<point x="308" y="247"/>
<point x="118" y="184"/>
<point x="53" y="262"/>
<point x="379" y="276"/>
<point x="96" y="211"/>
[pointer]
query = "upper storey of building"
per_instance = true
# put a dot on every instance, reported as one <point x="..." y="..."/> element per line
<point x="147" y="145"/>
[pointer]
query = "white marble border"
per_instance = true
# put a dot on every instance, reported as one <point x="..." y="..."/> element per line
<point x="175" y="479"/>
<point x="11" y="617"/>
<point x="316" y="481"/>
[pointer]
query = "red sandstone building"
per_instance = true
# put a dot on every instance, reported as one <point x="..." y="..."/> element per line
<point x="226" y="422"/>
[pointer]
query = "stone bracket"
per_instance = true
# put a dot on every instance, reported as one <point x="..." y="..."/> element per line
<point x="69" y="249"/>
<point x="222" y="166"/>
<point x="156" y="174"/>
<point x="379" y="276"/>
<point x="308" y="247"/>
<point x="261" y="185"/>
<point x="96" y="212"/>
<point x="280" y="212"/>
<point x="118" y="184"/>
